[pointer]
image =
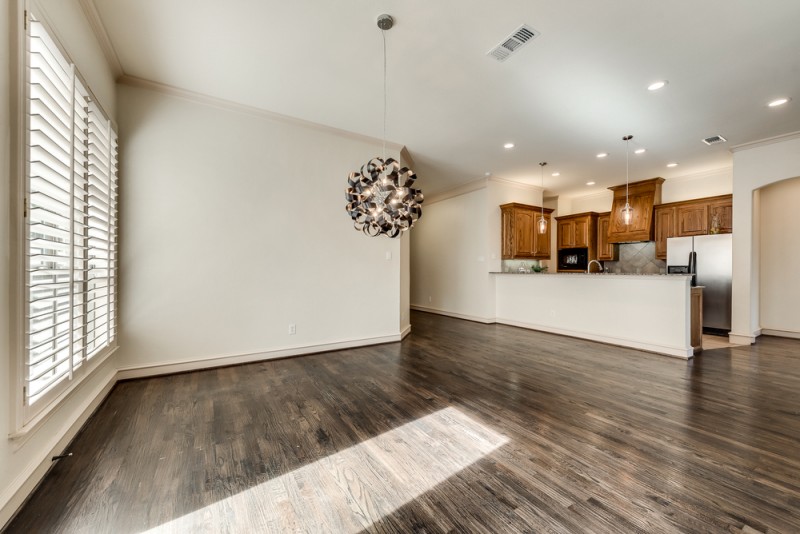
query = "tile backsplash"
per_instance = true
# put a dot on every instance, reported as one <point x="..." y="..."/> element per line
<point x="637" y="258"/>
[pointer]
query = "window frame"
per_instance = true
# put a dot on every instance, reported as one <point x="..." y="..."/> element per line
<point x="26" y="417"/>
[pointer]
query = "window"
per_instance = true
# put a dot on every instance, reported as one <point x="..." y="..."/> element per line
<point x="71" y="224"/>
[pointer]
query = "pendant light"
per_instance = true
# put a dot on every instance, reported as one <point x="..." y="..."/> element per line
<point x="542" y="223"/>
<point x="627" y="211"/>
<point x="381" y="199"/>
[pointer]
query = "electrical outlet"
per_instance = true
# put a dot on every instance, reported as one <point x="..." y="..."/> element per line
<point x="430" y="299"/>
<point x="292" y="329"/>
<point x="388" y="256"/>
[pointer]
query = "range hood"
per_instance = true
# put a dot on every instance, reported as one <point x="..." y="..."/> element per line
<point x="642" y="196"/>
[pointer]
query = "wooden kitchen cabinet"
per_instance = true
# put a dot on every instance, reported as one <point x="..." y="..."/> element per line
<point x="665" y="228"/>
<point x="577" y="231"/>
<point x="723" y="210"/>
<point x="566" y="233"/>
<point x="692" y="219"/>
<point x="520" y="238"/>
<point x="605" y="251"/>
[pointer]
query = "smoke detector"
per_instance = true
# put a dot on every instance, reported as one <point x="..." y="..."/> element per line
<point x="511" y="44"/>
<point x="714" y="139"/>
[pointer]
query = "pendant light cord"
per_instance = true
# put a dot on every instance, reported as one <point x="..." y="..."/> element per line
<point x="383" y="33"/>
<point x="627" y="168"/>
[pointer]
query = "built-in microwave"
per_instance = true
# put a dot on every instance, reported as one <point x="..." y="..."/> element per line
<point x="573" y="259"/>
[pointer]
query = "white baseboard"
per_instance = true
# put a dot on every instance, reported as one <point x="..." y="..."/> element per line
<point x="166" y="368"/>
<point x="405" y="332"/>
<point x="474" y="318"/>
<point x="780" y="333"/>
<point x="742" y="339"/>
<point x="23" y="485"/>
<point x="677" y="352"/>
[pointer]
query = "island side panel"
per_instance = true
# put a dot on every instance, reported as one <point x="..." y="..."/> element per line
<point x="645" y="312"/>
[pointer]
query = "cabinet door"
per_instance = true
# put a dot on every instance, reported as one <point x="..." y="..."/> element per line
<point x="723" y="209"/>
<point x="523" y="233"/>
<point x="566" y="234"/>
<point x="542" y="241"/>
<point x="507" y="236"/>
<point x="605" y="251"/>
<point x="582" y="233"/>
<point x="665" y="228"/>
<point x="692" y="219"/>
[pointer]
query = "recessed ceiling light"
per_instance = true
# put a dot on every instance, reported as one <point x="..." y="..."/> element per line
<point x="589" y="183"/>
<point x="672" y="165"/>
<point x="640" y="151"/>
<point x="508" y="145"/>
<point x="488" y="174"/>
<point x="602" y="154"/>
<point x="778" y="102"/>
<point x="556" y="174"/>
<point x="655" y="86"/>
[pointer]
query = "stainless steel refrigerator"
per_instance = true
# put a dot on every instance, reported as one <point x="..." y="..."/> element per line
<point x="714" y="256"/>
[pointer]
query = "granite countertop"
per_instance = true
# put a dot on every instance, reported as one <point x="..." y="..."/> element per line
<point x="596" y="274"/>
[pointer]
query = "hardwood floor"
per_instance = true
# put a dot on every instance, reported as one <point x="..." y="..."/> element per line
<point x="462" y="427"/>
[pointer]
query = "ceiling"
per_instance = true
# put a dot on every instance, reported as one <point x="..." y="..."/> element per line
<point x="567" y="95"/>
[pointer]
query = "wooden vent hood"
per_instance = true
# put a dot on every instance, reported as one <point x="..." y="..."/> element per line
<point x="642" y="196"/>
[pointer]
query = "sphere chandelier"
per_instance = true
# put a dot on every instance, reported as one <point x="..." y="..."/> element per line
<point x="381" y="198"/>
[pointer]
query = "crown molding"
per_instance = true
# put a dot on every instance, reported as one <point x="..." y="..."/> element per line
<point x="474" y="185"/>
<point x="518" y="185"/>
<point x="468" y="187"/>
<point x="228" y="105"/>
<point x="99" y="29"/>
<point x="765" y="142"/>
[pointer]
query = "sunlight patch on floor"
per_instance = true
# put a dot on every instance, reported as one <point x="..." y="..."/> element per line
<point x="352" y="489"/>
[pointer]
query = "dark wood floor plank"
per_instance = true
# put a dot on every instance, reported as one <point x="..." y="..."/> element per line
<point x="462" y="427"/>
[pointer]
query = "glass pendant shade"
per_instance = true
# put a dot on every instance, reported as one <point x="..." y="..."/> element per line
<point x="627" y="214"/>
<point x="542" y="222"/>
<point x="627" y="211"/>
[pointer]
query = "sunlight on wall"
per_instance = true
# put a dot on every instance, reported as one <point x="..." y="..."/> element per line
<point x="352" y="489"/>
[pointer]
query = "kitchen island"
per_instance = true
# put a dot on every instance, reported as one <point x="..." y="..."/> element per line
<point x="648" y="312"/>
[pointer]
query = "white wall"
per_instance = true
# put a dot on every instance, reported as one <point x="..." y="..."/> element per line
<point x="599" y="201"/>
<point x="457" y="243"/>
<point x="691" y="186"/>
<point x="754" y="167"/>
<point x="233" y="227"/>
<point x="24" y="461"/>
<point x="780" y="247"/>
<point x="449" y="257"/>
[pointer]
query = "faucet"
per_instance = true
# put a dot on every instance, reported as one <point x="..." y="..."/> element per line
<point x="589" y="266"/>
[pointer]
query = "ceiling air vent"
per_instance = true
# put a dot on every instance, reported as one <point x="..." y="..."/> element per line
<point x="714" y="139"/>
<point x="513" y="43"/>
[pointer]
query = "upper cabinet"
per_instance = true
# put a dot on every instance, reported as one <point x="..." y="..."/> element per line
<point x="722" y="210"/>
<point x="665" y="228"/>
<point x="711" y="215"/>
<point x="692" y="218"/>
<point x="520" y="237"/>
<point x="577" y="231"/>
<point x="605" y="251"/>
<point x="642" y="197"/>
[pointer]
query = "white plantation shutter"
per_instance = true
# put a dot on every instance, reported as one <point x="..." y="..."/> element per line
<point x="71" y="222"/>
